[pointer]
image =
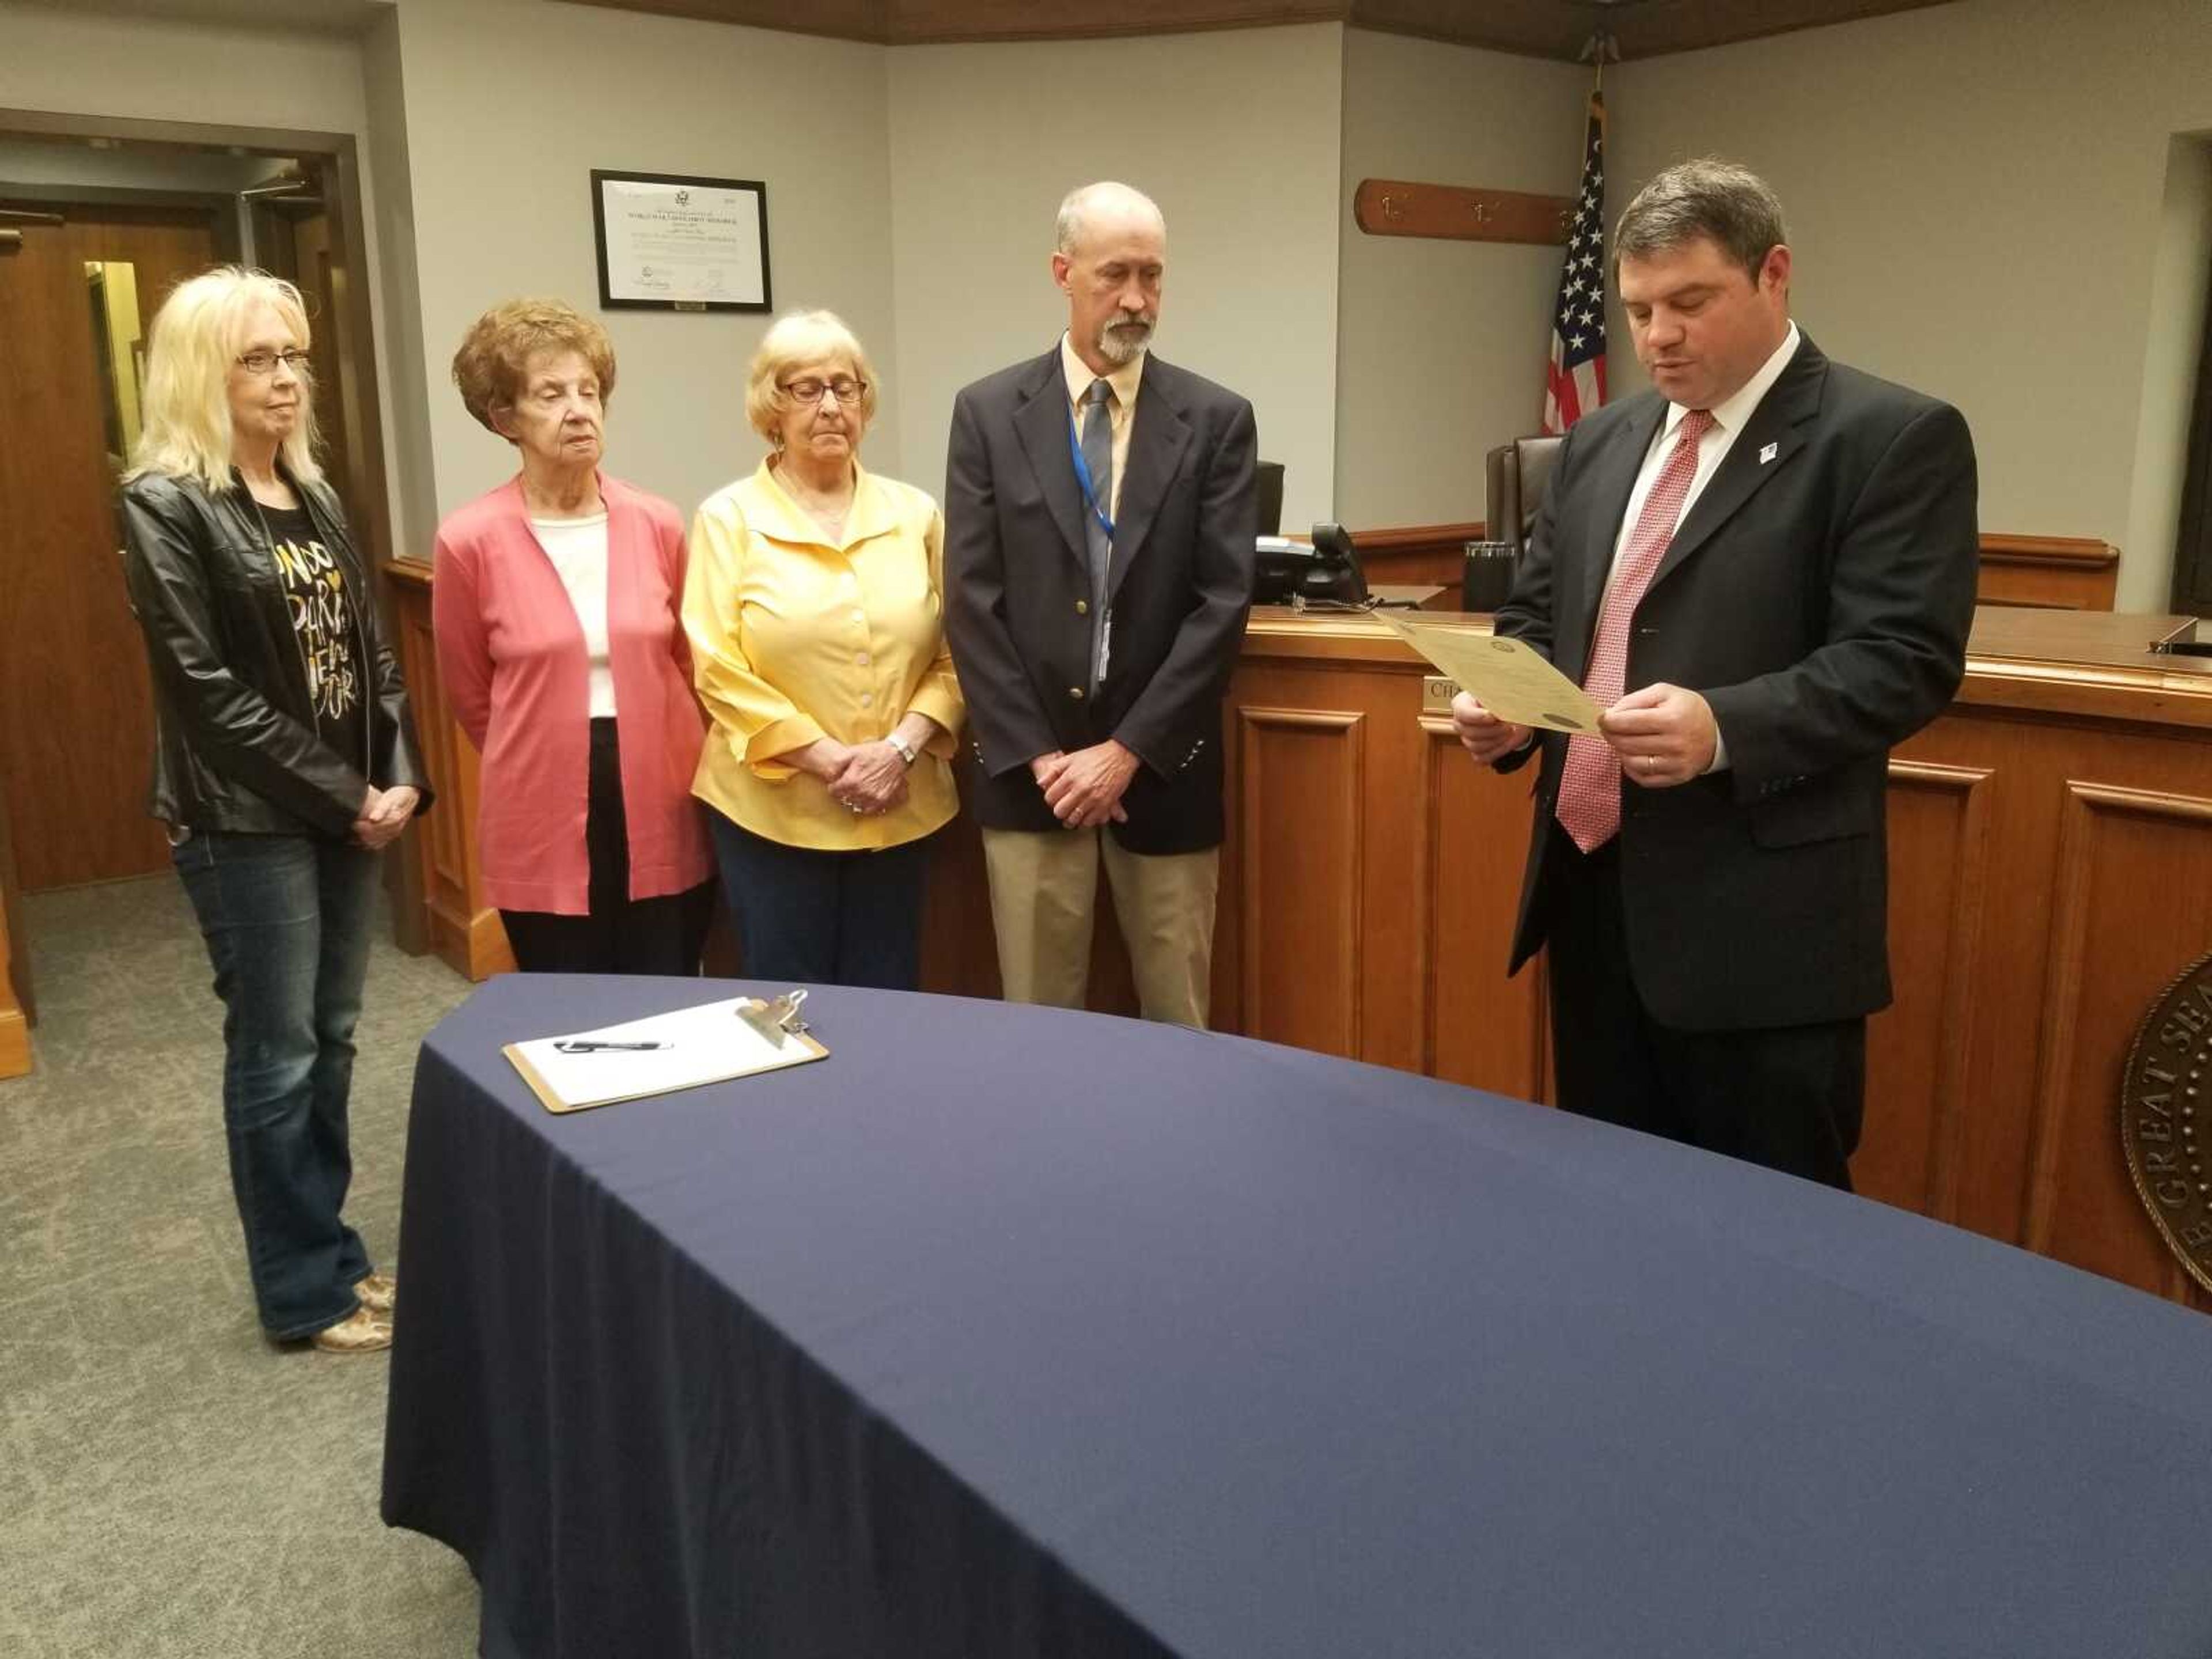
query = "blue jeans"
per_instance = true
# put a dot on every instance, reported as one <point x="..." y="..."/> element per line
<point x="804" y="917"/>
<point x="287" y="922"/>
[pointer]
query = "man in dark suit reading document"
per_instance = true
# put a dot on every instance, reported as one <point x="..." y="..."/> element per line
<point x="1099" y="519"/>
<point x="1763" y="569"/>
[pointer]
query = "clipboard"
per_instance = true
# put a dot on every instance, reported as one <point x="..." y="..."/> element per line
<point x="661" y="1053"/>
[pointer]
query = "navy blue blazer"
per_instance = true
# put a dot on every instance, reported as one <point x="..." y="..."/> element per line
<point x="1018" y="590"/>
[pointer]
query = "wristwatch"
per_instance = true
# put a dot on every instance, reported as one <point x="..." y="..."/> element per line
<point x="901" y="748"/>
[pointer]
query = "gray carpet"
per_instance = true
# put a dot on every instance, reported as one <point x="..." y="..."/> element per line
<point x="170" y="1483"/>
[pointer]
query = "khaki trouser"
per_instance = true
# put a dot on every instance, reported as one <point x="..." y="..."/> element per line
<point x="1044" y="887"/>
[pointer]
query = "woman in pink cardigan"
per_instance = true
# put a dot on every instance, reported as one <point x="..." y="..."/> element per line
<point x="557" y="601"/>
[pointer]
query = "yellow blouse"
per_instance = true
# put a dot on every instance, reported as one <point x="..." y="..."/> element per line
<point x="795" y="638"/>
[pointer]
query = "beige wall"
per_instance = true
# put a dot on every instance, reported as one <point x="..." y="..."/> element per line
<point x="92" y="62"/>
<point x="509" y="106"/>
<point x="1441" y="346"/>
<point x="1976" y="194"/>
<point x="1234" y="134"/>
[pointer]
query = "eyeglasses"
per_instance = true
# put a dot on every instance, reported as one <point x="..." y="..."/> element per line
<point x="258" y="363"/>
<point x="844" y="389"/>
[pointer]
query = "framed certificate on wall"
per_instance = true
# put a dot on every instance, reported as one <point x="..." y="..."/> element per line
<point x="668" y="242"/>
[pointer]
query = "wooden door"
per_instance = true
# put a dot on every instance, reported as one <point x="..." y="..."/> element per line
<point x="76" y="721"/>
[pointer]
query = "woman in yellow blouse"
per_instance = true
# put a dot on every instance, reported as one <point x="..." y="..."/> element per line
<point x="814" y="605"/>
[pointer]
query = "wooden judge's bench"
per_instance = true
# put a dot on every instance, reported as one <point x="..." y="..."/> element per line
<point x="2051" y="873"/>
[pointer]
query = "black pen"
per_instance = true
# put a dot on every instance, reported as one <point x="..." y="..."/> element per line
<point x="581" y="1045"/>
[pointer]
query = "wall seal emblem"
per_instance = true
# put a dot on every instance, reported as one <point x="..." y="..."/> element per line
<point x="2166" y="1117"/>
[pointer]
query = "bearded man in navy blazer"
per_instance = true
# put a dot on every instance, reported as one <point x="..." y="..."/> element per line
<point x="1099" y="520"/>
<point x="1763" y="569"/>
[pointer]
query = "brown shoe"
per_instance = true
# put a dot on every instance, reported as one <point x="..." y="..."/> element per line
<point x="378" y="1292"/>
<point x="359" y="1331"/>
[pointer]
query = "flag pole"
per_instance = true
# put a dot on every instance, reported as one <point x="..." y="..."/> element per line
<point x="1602" y="47"/>
<point x="1574" y="381"/>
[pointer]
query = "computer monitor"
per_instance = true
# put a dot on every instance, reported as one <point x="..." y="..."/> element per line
<point x="1271" y="498"/>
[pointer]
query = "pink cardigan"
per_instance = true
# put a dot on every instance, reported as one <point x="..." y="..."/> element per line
<point x="511" y="654"/>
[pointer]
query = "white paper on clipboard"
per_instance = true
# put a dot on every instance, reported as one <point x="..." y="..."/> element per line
<point x="709" y="1044"/>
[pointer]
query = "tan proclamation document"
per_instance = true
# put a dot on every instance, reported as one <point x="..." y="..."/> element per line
<point x="1508" y="678"/>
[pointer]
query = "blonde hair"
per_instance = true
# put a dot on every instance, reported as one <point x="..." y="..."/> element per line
<point x="494" y="359"/>
<point x="797" y="338"/>
<point x="190" y="351"/>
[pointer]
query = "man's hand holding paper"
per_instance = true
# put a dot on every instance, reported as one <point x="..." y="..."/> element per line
<point x="1482" y="734"/>
<point x="1664" y="734"/>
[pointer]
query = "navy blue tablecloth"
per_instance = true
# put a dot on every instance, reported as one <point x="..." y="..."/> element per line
<point x="1006" y="1331"/>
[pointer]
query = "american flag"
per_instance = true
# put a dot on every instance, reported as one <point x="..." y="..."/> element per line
<point x="1576" y="384"/>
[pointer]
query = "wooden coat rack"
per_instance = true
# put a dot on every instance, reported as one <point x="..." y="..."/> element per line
<point x="1397" y="206"/>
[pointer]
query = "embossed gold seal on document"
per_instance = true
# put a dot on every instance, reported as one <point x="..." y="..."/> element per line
<point x="2166" y="1117"/>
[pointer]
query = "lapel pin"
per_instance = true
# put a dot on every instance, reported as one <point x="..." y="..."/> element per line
<point x="1767" y="453"/>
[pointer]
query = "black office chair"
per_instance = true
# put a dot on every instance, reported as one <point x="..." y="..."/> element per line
<point x="1515" y="477"/>
<point x="1269" y="491"/>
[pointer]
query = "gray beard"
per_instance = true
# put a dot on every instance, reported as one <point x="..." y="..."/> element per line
<point x="1119" y="345"/>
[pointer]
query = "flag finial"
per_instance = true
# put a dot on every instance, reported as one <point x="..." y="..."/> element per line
<point x="1602" y="47"/>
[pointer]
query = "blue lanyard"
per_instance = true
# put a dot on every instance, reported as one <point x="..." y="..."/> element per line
<point x="1082" y="477"/>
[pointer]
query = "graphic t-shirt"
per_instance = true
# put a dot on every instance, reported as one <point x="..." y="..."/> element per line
<point x="322" y="623"/>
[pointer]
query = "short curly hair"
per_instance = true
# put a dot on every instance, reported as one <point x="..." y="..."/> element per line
<point x="797" y="338"/>
<point x="494" y="355"/>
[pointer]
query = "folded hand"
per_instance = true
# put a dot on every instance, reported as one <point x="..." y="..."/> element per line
<point x="384" y="814"/>
<point x="1086" y="788"/>
<point x="873" y="779"/>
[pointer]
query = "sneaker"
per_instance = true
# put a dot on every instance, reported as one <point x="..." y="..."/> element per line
<point x="378" y="1292"/>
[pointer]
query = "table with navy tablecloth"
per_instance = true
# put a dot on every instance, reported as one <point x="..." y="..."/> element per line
<point x="1013" y="1331"/>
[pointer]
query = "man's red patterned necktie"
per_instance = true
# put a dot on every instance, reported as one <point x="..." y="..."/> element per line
<point x="1589" y="787"/>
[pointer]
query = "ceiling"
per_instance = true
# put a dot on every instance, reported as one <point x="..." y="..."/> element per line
<point x="303" y="16"/>
<point x="1541" y="28"/>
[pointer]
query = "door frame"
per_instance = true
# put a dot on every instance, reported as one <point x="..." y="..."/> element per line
<point x="337" y="157"/>
<point x="364" y="464"/>
<point x="2192" y="591"/>
<point x="222" y="214"/>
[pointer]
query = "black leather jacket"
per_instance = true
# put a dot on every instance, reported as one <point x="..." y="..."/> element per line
<point x="237" y="747"/>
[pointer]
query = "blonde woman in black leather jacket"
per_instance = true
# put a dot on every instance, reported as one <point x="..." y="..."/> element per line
<point x="286" y="762"/>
